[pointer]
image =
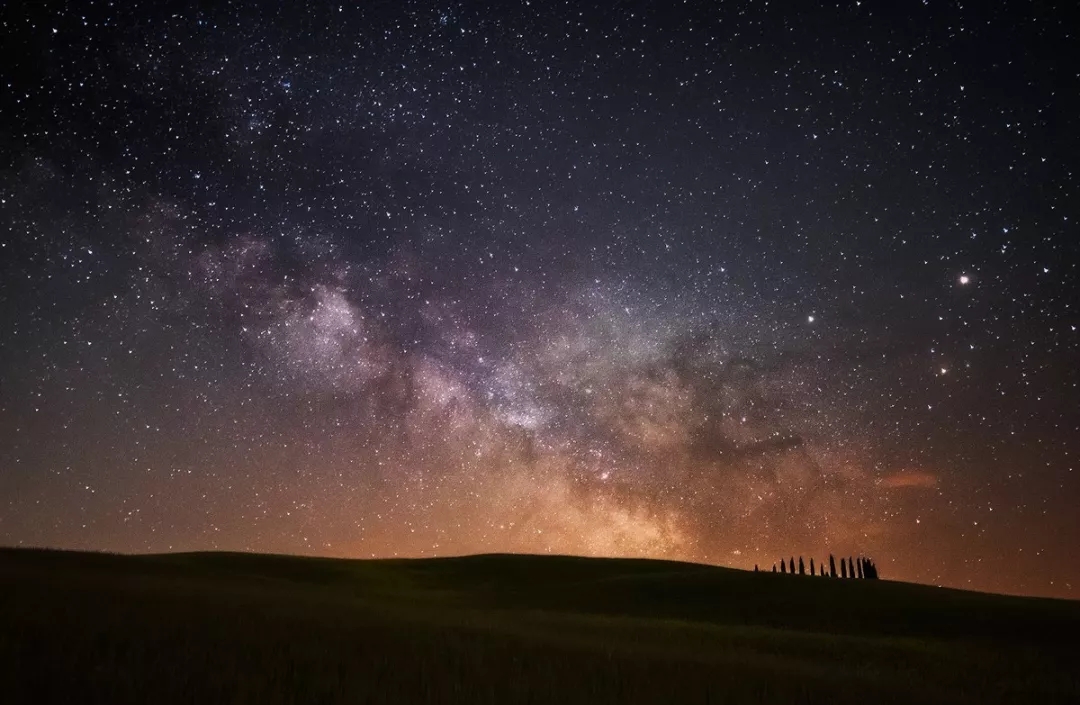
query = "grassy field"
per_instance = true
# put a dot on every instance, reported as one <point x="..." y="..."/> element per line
<point x="239" y="628"/>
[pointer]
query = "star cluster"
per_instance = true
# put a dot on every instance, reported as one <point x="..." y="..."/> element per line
<point x="710" y="281"/>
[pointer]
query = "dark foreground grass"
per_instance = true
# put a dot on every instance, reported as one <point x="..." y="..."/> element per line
<point x="237" y="628"/>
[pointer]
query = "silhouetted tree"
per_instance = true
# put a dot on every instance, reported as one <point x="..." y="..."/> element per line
<point x="832" y="566"/>
<point x="774" y="567"/>
<point x="755" y="568"/>
<point x="802" y="568"/>
<point x="783" y="566"/>
<point x="850" y="567"/>
<point x="859" y="567"/>
<point x="812" y="567"/>
<point x="843" y="567"/>
<point x="871" y="570"/>
<point x="791" y="565"/>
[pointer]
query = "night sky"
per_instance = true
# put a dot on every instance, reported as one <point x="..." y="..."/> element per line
<point x="721" y="282"/>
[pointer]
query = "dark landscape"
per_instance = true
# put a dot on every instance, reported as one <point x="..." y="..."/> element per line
<point x="329" y="331"/>
<point x="245" y="628"/>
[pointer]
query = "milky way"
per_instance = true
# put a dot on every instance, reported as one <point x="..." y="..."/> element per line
<point x="721" y="282"/>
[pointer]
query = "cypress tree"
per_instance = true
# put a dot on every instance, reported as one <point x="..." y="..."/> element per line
<point x="783" y="566"/>
<point x="859" y="568"/>
<point x="802" y="567"/>
<point x="774" y="567"/>
<point x="812" y="566"/>
<point x="832" y="566"/>
<point x="791" y="565"/>
<point x="843" y="567"/>
<point x="850" y="567"/>
<point x="755" y="568"/>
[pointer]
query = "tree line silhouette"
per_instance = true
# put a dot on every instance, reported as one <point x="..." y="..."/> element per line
<point x="861" y="568"/>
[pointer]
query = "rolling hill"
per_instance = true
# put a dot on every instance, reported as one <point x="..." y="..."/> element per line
<point x="246" y="628"/>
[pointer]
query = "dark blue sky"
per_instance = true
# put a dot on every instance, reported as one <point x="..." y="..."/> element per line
<point x="713" y="281"/>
